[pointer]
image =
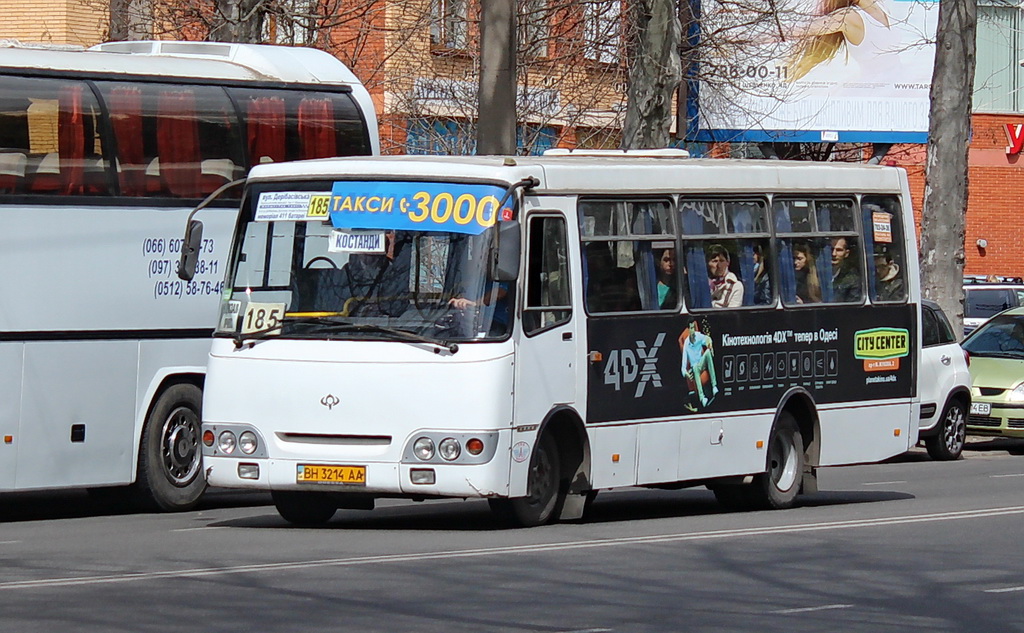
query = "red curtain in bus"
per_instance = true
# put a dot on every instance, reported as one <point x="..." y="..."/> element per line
<point x="316" y="128"/>
<point x="71" y="139"/>
<point x="177" y="142"/>
<point x="126" y="119"/>
<point x="266" y="130"/>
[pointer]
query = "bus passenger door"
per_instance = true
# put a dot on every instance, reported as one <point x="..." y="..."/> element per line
<point x="546" y="355"/>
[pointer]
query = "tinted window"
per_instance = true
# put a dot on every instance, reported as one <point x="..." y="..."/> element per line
<point x="984" y="302"/>
<point x="935" y="327"/>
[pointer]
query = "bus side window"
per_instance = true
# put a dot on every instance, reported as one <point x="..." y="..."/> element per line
<point x="547" y="276"/>
<point x="883" y="237"/>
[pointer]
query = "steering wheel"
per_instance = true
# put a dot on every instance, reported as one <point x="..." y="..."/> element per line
<point x="321" y="258"/>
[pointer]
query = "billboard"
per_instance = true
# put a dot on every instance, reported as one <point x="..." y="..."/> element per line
<point x="856" y="71"/>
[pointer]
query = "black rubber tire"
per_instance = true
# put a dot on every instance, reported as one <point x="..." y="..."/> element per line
<point x="307" y="509"/>
<point x="170" y="474"/>
<point x="545" y="490"/>
<point x="778" y="487"/>
<point x="948" y="444"/>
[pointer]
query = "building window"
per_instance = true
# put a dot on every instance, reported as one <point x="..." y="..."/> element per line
<point x="534" y="28"/>
<point x="602" y="30"/>
<point x="448" y="24"/>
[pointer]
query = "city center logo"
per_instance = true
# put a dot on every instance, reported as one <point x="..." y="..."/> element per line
<point x="329" y="401"/>
<point x="639" y="365"/>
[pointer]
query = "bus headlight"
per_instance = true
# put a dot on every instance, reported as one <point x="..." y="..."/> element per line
<point x="423" y="448"/>
<point x="449" y="449"/>
<point x="247" y="442"/>
<point x="226" y="442"/>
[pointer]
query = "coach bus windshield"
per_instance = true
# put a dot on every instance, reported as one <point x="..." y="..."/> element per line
<point x="298" y="274"/>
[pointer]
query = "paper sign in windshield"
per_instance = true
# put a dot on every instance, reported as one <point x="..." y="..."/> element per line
<point x="417" y="206"/>
<point x="367" y="242"/>
<point x="299" y="206"/>
<point x="882" y="223"/>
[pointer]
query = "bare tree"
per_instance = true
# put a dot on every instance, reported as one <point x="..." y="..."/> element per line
<point x="945" y="191"/>
<point x="654" y="73"/>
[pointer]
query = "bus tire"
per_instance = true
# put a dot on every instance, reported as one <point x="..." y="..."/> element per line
<point x="307" y="509"/>
<point x="170" y="475"/>
<point x="948" y="443"/>
<point x="779" y="485"/>
<point x="545" y="491"/>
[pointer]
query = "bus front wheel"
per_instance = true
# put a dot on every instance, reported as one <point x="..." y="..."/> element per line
<point x="170" y="475"/>
<point x="544" y="489"/>
<point x="304" y="508"/>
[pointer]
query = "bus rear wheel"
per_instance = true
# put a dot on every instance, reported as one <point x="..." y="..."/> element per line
<point x="544" y="489"/>
<point x="779" y="485"/>
<point x="307" y="509"/>
<point x="170" y="475"/>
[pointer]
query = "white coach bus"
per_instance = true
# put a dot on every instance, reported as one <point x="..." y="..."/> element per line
<point x="532" y="330"/>
<point x="103" y="153"/>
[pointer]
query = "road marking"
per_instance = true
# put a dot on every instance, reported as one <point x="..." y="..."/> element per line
<point x="197" y="529"/>
<point x="824" y="607"/>
<point x="882" y="483"/>
<point x="1013" y="475"/>
<point x="8" y="542"/>
<point x="1004" y="590"/>
<point x="586" y="631"/>
<point x="515" y="549"/>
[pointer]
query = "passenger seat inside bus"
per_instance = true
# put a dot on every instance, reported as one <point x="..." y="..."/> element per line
<point x="12" y="171"/>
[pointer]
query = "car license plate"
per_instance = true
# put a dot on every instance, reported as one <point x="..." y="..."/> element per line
<point x="325" y="474"/>
<point x="981" y="408"/>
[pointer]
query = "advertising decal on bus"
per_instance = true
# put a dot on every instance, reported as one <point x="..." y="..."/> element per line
<point x="418" y="206"/>
<point x="664" y="366"/>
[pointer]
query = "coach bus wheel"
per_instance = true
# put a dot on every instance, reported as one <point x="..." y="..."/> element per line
<point x="170" y="459"/>
<point x="778" y="487"/>
<point x="544" y="489"/>
<point x="304" y="508"/>
<point x="948" y="443"/>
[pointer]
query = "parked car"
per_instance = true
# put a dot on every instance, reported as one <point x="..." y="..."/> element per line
<point x="996" y="352"/>
<point x="985" y="299"/>
<point x="944" y="386"/>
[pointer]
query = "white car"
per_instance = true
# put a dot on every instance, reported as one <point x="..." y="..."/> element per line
<point x="982" y="300"/>
<point x="944" y="384"/>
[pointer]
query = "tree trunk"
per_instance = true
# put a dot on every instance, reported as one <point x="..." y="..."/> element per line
<point x="240" y="21"/>
<point x="496" y="119"/>
<point x="945" y="191"/>
<point x="654" y="73"/>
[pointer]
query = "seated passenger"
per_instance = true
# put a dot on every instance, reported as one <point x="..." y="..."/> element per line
<point x="808" y="288"/>
<point x="845" y="278"/>
<point x="726" y="289"/>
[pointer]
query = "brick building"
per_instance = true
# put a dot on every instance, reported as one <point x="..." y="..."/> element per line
<point x="419" y="66"/>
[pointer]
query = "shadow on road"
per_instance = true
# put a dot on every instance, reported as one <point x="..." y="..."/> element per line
<point x="64" y="504"/>
<point x="609" y="507"/>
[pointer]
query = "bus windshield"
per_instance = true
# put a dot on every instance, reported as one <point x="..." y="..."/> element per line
<point x="310" y="279"/>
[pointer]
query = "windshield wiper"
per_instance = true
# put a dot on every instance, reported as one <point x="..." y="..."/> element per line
<point x="335" y="325"/>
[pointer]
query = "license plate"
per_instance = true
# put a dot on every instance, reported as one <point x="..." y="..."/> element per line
<point x="324" y="474"/>
<point x="981" y="408"/>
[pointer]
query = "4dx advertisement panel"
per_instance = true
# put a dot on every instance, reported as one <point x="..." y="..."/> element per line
<point x="669" y="366"/>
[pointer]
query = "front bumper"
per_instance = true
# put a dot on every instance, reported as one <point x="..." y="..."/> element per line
<point x="1004" y="419"/>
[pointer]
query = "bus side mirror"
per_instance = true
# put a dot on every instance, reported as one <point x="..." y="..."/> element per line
<point x="190" y="250"/>
<point x="505" y="265"/>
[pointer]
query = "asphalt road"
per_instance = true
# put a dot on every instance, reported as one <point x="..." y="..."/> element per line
<point x="908" y="545"/>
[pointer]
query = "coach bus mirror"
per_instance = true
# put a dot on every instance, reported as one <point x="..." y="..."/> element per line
<point x="505" y="264"/>
<point x="190" y="250"/>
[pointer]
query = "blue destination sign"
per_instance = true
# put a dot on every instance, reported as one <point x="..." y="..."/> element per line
<point x="416" y="206"/>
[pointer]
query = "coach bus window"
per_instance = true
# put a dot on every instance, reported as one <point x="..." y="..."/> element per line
<point x="726" y="252"/>
<point x="173" y="140"/>
<point x="292" y="125"/>
<point x="619" y="242"/>
<point x="51" y="139"/>
<point x="883" y="238"/>
<point x="819" y="240"/>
